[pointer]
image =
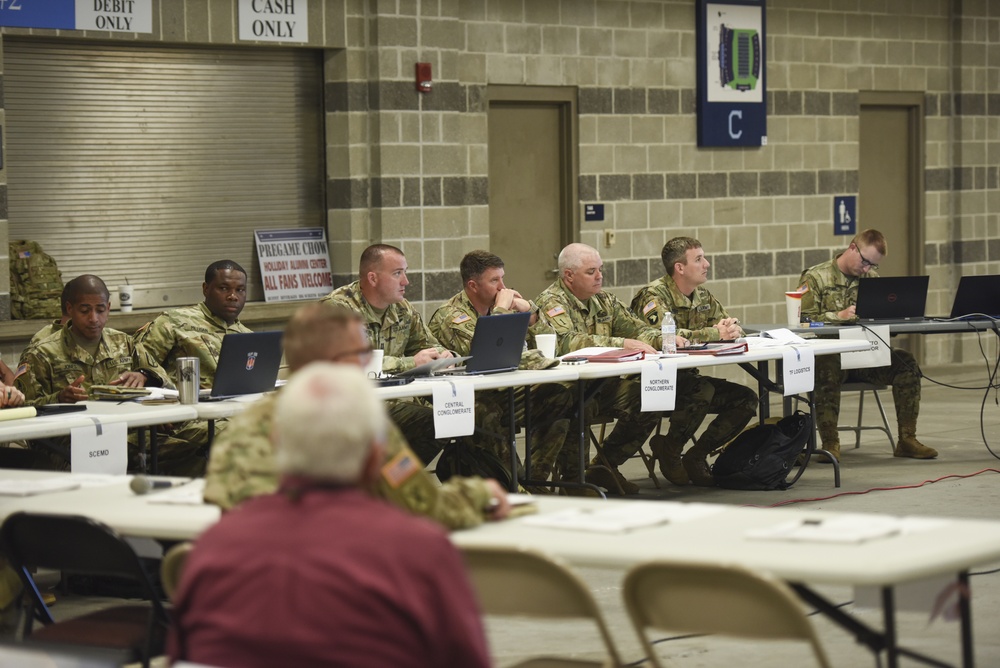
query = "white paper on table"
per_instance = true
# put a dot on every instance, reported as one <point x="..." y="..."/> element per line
<point x="89" y="480"/>
<point x="783" y="335"/>
<point x="99" y="448"/>
<point x="877" y="354"/>
<point x="620" y="519"/>
<point x="587" y="352"/>
<point x="454" y="408"/>
<point x="798" y="370"/>
<point x="38" y="486"/>
<point x="658" y="385"/>
<point x="850" y="528"/>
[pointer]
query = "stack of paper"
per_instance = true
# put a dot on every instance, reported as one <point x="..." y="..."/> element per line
<point x="117" y="393"/>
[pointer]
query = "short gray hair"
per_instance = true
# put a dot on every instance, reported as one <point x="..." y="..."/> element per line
<point x="325" y="422"/>
<point x="571" y="257"/>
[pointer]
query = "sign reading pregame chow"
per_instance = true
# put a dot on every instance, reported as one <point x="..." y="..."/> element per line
<point x="294" y="264"/>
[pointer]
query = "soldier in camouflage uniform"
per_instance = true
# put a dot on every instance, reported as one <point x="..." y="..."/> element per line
<point x="242" y="461"/>
<point x="700" y="318"/>
<point x="831" y="292"/>
<point x="62" y="367"/>
<point x="583" y="315"/>
<point x="197" y="331"/>
<point x="454" y="325"/>
<point x="395" y="327"/>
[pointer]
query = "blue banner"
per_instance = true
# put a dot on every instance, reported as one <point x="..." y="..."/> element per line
<point x="60" y="14"/>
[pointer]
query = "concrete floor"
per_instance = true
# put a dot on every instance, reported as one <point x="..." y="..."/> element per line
<point x="950" y="421"/>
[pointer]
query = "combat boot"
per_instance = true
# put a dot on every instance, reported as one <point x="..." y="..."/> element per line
<point x="668" y="455"/>
<point x="695" y="462"/>
<point x="833" y="447"/>
<point x="909" y="446"/>
<point x="611" y="479"/>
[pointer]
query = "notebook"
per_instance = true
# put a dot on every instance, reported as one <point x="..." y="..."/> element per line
<point x="248" y="364"/>
<point x="900" y="298"/>
<point x="977" y="297"/>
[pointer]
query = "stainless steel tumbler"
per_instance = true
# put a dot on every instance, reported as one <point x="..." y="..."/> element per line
<point x="188" y="375"/>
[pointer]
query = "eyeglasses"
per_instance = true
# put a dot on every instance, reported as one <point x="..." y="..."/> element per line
<point x="364" y="355"/>
<point x="865" y="262"/>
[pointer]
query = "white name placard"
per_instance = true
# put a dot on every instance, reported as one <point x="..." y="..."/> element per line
<point x="454" y="408"/>
<point x="659" y="385"/>
<point x="99" y="448"/>
<point x="878" y="352"/>
<point x="798" y="370"/>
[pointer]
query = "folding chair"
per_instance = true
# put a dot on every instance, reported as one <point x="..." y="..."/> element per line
<point x="75" y="544"/>
<point x="862" y="387"/>
<point x="597" y="440"/>
<point x="729" y="600"/>
<point x="512" y="581"/>
<point x="172" y="567"/>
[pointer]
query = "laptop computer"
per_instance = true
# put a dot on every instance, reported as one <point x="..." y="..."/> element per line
<point x="496" y="347"/>
<point x="977" y="297"/>
<point x="498" y="342"/>
<point x="248" y="364"/>
<point x="899" y="298"/>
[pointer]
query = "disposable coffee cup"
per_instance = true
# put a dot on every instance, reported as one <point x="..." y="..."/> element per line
<point x="793" y="306"/>
<point x="374" y="367"/>
<point x="546" y="343"/>
<point x="125" y="293"/>
<point x="188" y="379"/>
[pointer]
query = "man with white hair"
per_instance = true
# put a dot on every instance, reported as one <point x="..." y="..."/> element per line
<point x="322" y="573"/>
<point x="584" y="315"/>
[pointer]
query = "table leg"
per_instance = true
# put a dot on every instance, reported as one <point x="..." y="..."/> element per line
<point x="889" y="617"/>
<point x="154" y="451"/>
<point x="965" y="611"/>
<point x="512" y="425"/>
<point x="527" y="432"/>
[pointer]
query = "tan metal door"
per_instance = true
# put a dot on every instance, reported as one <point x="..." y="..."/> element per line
<point x="890" y="176"/>
<point x="532" y="183"/>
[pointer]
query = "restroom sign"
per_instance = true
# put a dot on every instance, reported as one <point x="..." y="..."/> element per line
<point x="845" y="217"/>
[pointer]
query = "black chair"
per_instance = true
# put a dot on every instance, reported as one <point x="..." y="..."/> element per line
<point x="79" y="545"/>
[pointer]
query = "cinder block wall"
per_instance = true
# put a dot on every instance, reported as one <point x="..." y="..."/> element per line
<point x="411" y="170"/>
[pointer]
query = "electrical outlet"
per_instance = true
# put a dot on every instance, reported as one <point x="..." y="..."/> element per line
<point x="609" y="238"/>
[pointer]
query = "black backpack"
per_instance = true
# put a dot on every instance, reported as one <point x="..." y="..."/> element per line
<point x="762" y="457"/>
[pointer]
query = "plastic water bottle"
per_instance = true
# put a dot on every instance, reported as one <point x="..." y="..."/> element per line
<point x="669" y="331"/>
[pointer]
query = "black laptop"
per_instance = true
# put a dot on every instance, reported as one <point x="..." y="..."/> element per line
<point x="977" y="297"/>
<point x="892" y="299"/>
<point x="498" y="342"/>
<point x="248" y="364"/>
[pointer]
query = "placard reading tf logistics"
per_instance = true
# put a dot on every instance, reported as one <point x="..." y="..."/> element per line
<point x="294" y="264"/>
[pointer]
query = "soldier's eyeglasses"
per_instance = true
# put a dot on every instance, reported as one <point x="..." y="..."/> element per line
<point x="865" y="262"/>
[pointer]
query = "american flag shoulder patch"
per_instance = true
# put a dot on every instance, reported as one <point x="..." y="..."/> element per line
<point x="400" y="468"/>
<point x="555" y="310"/>
<point x="459" y="319"/>
<point x="648" y="307"/>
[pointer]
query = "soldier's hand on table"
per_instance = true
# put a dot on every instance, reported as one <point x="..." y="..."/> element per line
<point x="848" y="313"/>
<point x="130" y="379"/>
<point x="499" y="507"/>
<point x="10" y="396"/>
<point x="635" y="344"/>
<point x="729" y="329"/>
<point x="73" y="393"/>
<point x="428" y="354"/>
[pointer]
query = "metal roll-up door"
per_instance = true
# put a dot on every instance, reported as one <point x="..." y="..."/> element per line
<point x="149" y="162"/>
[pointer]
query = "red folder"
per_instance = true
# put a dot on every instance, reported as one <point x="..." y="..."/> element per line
<point x="717" y="349"/>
